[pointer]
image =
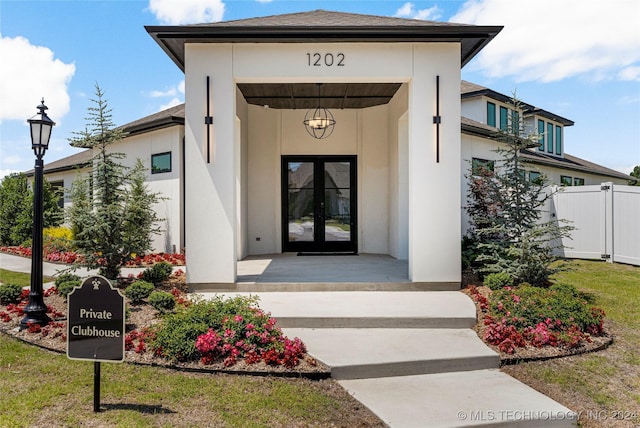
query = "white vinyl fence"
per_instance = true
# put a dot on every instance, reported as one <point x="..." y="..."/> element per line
<point x="606" y="219"/>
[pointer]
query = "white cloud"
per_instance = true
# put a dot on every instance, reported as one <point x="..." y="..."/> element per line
<point x="264" y="1"/>
<point x="172" y="102"/>
<point x="11" y="160"/>
<point x="176" y="92"/>
<point x="408" y="10"/>
<point x="27" y="74"/>
<point x="171" y="92"/>
<point x="186" y="12"/>
<point x="550" y="40"/>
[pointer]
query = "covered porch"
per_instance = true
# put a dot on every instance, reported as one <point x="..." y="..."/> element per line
<point x="290" y="272"/>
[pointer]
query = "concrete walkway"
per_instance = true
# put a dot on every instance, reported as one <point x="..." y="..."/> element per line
<point x="411" y="357"/>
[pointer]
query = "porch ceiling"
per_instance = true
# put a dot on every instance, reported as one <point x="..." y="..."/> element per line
<point x="305" y="95"/>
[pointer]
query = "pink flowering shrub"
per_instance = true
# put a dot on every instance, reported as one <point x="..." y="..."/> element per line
<point x="226" y="331"/>
<point x="558" y="316"/>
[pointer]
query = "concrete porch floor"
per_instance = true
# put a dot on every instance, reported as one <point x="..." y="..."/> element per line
<point x="362" y="272"/>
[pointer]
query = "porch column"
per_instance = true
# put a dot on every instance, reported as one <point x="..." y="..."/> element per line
<point x="434" y="187"/>
<point x="210" y="195"/>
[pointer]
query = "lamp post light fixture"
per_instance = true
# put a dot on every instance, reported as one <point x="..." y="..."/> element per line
<point x="36" y="311"/>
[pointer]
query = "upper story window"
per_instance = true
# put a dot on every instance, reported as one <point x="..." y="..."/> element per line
<point x="558" y="140"/>
<point x="504" y="118"/>
<point x="161" y="162"/>
<point x="549" y="137"/>
<point x="565" y="180"/>
<point x="541" y="134"/>
<point x="491" y="114"/>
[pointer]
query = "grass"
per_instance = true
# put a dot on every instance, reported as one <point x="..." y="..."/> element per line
<point x="40" y="387"/>
<point x="21" y="279"/>
<point x="606" y="382"/>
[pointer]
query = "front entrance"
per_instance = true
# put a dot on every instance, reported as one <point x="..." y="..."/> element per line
<point x="319" y="204"/>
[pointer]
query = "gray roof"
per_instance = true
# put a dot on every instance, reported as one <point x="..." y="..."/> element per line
<point x="75" y="161"/>
<point x="324" y="27"/>
<point x="570" y="162"/>
<point x="469" y="90"/>
<point x="168" y="117"/>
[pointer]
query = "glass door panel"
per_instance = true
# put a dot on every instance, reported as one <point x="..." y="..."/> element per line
<point x="337" y="201"/>
<point x="301" y="202"/>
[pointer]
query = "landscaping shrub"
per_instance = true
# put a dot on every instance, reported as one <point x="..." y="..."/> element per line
<point x="157" y="273"/>
<point x="138" y="291"/>
<point x="65" y="288"/>
<point x="525" y="315"/>
<point x="10" y="293"/>
<point x="498" y="280"/>
<point x="66" y="282"/>
<point x="225" y="330"/>
<point x="162" y="301"/>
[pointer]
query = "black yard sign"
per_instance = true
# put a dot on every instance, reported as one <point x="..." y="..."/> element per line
<point x="95" y="327"/>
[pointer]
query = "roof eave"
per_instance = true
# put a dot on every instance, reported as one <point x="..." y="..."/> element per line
<point x="477" y="36"/>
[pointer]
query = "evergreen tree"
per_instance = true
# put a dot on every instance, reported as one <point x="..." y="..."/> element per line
<point x="16" y="209"/>
<point x="506" y="210"/>
<point x="635" y="173"/>
<point x="106" y="216"/>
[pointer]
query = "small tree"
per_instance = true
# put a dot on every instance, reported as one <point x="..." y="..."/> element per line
<point x="635" y="173"/>
<point x="109" y="205"/>
<point x="16" y="209"/>
<point x="506" y="211"/>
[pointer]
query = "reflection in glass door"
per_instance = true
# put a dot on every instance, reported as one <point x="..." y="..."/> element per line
<point x="319" y="203"/>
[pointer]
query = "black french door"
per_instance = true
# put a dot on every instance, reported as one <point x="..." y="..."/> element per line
<point x="319" y="204"/>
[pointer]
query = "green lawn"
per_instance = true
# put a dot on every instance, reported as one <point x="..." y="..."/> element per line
<point x="41" y="388"/>
<point x="605" y="384"/>
<point x="21" y="279"/>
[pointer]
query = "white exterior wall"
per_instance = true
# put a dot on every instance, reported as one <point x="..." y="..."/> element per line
<point x="475" y="108"/>
<point x="67" y="178"/>
<point x="231" y="214"/>
<point x="167" y="184"/>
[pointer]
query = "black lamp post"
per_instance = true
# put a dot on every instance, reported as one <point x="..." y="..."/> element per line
<point x="36" y="310"/>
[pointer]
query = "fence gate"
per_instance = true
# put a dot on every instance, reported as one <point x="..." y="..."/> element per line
<point x="606" y="219"/>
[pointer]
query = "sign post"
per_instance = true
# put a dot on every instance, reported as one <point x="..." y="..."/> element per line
<point x="96" y="326"/>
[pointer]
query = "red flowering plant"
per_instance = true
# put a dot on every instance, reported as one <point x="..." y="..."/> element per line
<point x="225" y="331"/>
<point x="558" y="316"/>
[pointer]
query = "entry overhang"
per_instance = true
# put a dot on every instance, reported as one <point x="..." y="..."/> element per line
<point x="323" y="27"/>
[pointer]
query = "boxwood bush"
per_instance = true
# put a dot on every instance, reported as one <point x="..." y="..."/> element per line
<point x="157" y="273"/>
<point x="162" y="301"/>
<point x="10" y="293"/>
<point x="138" y="291"/>
<point x="66" y="282"/>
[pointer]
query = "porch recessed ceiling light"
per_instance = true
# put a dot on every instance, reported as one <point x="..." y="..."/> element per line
<point x="319" y="122"/>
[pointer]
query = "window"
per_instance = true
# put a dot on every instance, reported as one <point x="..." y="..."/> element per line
<point x="565" y="180"/>
<point x="161" y="162"/>
<point x="504" y="121"/>
<point x="558" y="140"/>
<point x="515" y="122"/>
<point x="535" y="177"/>
<point x="541" y="134"/>
<point x="578" y="181"/>
<point x="491" y="114"/>
<point x="480" y="165"/>
<point x="550" y="137"/>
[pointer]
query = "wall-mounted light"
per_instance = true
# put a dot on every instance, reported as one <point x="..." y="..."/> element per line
<point x="319" y="122"/>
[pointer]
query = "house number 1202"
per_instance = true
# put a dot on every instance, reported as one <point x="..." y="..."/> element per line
<point x="328" y="60"/>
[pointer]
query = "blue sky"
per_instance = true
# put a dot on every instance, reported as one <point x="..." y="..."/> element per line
<point x="579" y="59"/>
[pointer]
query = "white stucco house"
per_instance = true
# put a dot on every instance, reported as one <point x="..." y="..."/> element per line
<point x="244" y="175"/>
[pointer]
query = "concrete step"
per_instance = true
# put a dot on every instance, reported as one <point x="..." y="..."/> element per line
<point x="487" y="398"/>
<point x="360" y="309"/>
<point x="265" y="287"/>
<point x="372" y="353"/>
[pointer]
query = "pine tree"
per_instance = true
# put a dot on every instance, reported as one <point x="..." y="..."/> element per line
<point x="106" y="216"/>
<point x="506" y="210"/>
